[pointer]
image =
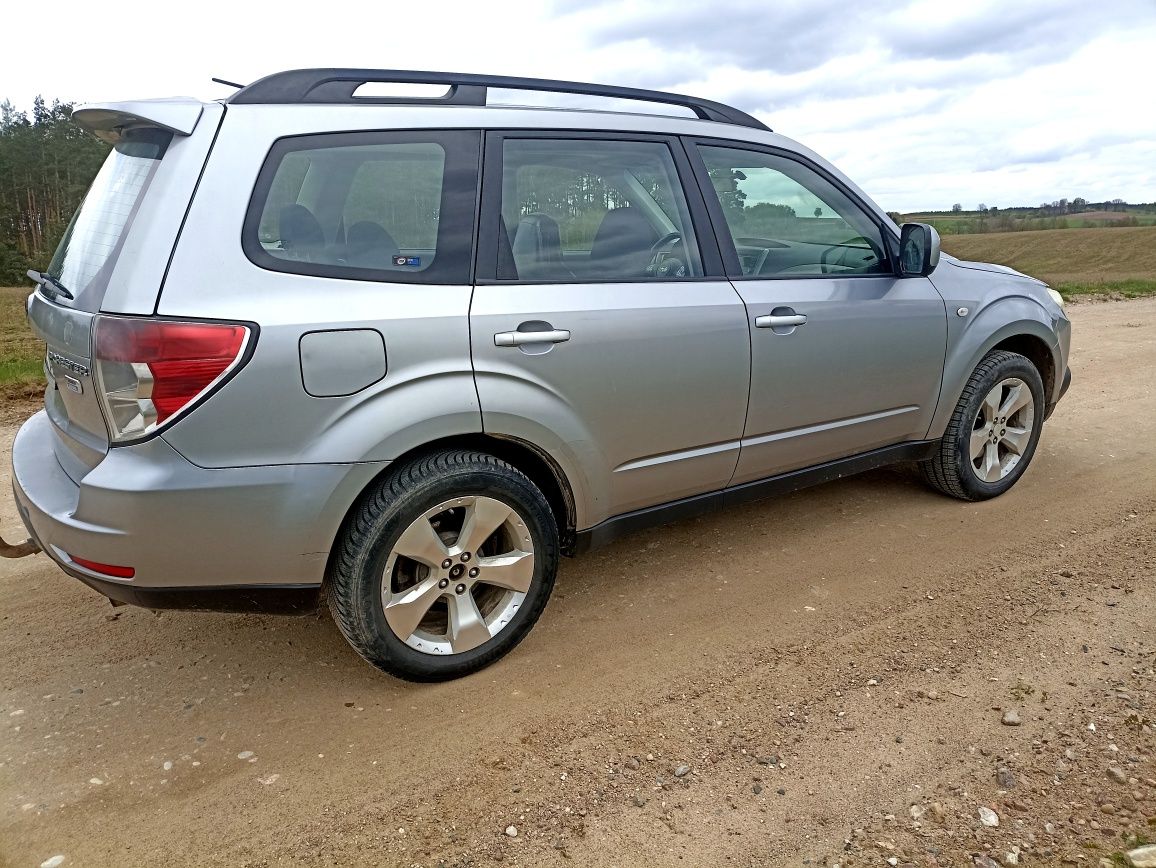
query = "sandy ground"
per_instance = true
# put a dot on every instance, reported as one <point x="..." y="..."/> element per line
<point x="829" y="670"/>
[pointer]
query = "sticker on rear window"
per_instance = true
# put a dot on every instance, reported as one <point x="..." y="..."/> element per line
<point x="407" y="261"/>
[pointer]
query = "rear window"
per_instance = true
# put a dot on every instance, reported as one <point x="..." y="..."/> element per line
<point x="393" y="207"/>
<point x="87" y="253"/>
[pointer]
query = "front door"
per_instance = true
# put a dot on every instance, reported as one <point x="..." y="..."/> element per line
<point x="845" y="356"/>
<point x="597" y="333"/>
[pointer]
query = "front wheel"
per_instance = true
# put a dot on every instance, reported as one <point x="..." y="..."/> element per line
<point x="444" y="567"/>
<point x="993" y="432"/>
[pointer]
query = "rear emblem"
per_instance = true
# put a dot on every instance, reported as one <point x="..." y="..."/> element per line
<point x="74" y="385"/>
<point x="60" y="361"/>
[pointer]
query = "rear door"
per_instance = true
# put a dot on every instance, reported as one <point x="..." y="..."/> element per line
<point x="601" y="325"/>
<point x="845" y="356"/>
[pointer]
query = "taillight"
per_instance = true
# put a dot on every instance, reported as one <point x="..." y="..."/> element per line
<point x="149" y="370"/>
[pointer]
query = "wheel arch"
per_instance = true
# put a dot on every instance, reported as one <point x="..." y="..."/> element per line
<point x="537" y="464"/>
<point x="1037" y="351"/>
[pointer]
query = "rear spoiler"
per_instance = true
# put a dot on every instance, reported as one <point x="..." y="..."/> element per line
<point x="109" y="120"/>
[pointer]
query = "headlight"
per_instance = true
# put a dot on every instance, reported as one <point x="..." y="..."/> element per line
<point x="1056" y="297"/>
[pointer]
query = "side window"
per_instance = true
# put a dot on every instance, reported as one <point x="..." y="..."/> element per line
<point x="587" y="209"/>
<point x="370" y="206"/>
<point x="786" y="220"/>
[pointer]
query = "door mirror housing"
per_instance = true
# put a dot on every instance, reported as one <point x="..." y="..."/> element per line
<point x="918" y="249"/>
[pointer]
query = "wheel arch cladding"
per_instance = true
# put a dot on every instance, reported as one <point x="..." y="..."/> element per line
<point x="1015" y="324"/>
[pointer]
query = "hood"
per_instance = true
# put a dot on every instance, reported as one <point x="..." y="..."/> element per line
<point x="992" y="267"/>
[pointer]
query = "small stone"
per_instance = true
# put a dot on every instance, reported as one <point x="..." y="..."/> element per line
<point x="245" y="754"/>
<point x="892" y="861"/>
<point x="988" y="817"/>
<point x="937" y="812"/>
<point x="1004" y="778"/>
<point x="772" y="760"/>
<point x="632" y="764"/>
<point x="1141" y="857"/>
<point x="682" y="771"/>
<point x="511" y="831"/>
<point x="95" y="781"/>
<point x="1108" y="808"/>
<point x="53" y="862"/>
<point x="168" y="765"/>
<point x="985" y="861"/>
<point x="638" y="801"/>
<point x="757" y="788"/>
<point x="1117" y="775"/>
<point x="917" y="812"/>
<point x="269" y="779"/>
<point x="1010" y="858"/>
<point x="1011" y="717"/>
<point x="781" y="791"/>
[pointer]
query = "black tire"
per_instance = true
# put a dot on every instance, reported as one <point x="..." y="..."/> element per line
<point x="356" y="569"/>
<point x="950" y="470"/>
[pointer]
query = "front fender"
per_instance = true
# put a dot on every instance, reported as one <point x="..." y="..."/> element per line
<point x="998" y="308"/>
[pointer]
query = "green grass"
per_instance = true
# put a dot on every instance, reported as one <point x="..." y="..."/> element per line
<point x="21" y="354"/>
<point x="1110" y="288"/>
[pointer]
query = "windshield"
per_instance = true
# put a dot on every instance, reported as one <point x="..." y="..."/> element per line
<point x="87" y="253"/>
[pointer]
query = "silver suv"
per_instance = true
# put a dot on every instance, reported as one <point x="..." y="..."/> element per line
<point x="401" y="353"/>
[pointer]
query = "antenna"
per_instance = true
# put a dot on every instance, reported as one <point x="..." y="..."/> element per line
<point x="229" y="83"/>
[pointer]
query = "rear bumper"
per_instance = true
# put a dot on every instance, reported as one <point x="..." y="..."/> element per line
<point x="236" y="539"/>
<point x="268" y="599"/>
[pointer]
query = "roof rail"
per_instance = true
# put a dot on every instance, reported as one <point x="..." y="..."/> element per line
<point x="338" y="86"/>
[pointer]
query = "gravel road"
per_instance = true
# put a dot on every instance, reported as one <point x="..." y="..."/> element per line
<point x="820" y="677"/>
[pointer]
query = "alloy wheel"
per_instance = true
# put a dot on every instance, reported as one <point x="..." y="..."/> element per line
<point x="1002" y="429"/>
<point x="457" y="575"/>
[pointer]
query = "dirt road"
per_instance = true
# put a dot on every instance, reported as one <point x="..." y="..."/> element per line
<point x="820" y="677"/>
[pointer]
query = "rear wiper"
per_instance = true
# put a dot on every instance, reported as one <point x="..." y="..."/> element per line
<point x="47" y="281"/>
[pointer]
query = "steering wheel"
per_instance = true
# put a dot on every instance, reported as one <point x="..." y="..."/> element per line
<point x="662" y="263"/>
<point x="845" y="249"/>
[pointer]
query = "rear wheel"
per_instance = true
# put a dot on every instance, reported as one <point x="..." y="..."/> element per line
<point x="993" y="432"/>
<point x="444" y="567"/>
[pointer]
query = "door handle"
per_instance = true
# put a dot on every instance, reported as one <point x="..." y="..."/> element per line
<point x="771" y="321"/>
<point x="518" y="339"/>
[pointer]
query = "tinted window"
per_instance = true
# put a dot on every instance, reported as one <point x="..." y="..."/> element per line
<point x="585" y="209"/>
<point x="388" y="206"/>
<point x="786" y="219"/>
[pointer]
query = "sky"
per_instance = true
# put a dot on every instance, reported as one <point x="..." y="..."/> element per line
<point x="923" y="104"/>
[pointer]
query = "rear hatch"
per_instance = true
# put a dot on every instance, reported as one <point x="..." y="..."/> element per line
<point x="86" y="268"/>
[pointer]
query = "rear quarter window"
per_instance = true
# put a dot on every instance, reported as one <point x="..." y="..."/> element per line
<point x="380" y="206"/>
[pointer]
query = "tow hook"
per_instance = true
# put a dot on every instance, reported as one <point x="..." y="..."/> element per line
<point x="17" y="550"/>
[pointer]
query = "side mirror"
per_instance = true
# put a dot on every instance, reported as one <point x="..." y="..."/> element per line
<point x="918" y="250"/>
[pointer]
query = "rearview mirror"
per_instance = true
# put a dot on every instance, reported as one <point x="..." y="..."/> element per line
<point x="918" y="250"/>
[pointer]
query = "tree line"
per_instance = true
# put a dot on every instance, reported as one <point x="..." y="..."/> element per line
<point x="46" y="165"/>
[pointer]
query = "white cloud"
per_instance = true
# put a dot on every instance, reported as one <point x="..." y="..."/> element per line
<point x="922" y="103"/>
